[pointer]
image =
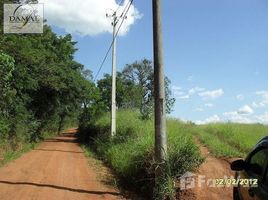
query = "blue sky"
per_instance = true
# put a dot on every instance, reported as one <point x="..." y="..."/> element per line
<point x="215" y="54"/>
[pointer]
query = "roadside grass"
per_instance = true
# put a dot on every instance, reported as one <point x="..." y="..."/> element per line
<point x="131" y="152"/>
<point x="90" y="154"/>
<point x="9" y="155"/>
<point x="9" y="152"/>
<point x="230" y="139"/>
<point x="93" y="161"/>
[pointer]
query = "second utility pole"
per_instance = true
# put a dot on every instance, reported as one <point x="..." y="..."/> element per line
<point x="159" y="92"/>
<point x="113" y="106"/>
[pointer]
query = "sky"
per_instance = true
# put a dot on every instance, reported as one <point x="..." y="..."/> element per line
<point x="215" y="51"/>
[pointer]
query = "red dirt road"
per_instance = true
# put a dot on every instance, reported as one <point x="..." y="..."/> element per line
<point x="56" y="170"/>
<point x="213" y="168"/>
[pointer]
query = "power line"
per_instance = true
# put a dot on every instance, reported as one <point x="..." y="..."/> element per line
<point x="119" y="5"/>
<point x="109" y="49"/>
<point x="129" y="2"/>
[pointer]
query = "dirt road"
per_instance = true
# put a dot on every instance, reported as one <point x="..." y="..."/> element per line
<point x="56" y="170"/>
<point x="213" y="168"/>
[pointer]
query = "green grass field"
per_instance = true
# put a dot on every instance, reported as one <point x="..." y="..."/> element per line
<point x="230" y="139"/>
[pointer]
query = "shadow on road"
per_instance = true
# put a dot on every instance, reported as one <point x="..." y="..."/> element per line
<point x="58" y="150"/>
<point x="60" y="188"/>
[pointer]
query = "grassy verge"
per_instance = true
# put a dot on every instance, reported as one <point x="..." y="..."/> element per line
<point x="107" y="178"/>
<point x="230" y="139"/>
<point x="9" y="153"/>
<point x="130" y="152"/>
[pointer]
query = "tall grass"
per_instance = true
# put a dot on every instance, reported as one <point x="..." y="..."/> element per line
<point x="131" y="152"/>
<point x="230" y="139"/>
<point x="13" y="149"/>
<point x="8" y="155"/>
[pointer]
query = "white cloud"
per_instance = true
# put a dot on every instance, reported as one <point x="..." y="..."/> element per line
<point x="184" y="94"/>
<point x="243" y="115"/>
<point x="247" y="119"/>
<point x="194" y="90"/>
<point x="236" y="117"/>
<point x="184" y="97"/>
<point x="198" y="110"/>
<point x="245" y="110"/>
<point x="263" y="118"/>
<point x="86" y="17"/>
<point x="178" y="91"/>
<point x="212" y="119"/>
<point x="264" y="99"/>
<point x="209" y="105"/>
<point x="258" y="104"/>
<point x="190" y="78"/>
<point x="174" y="87"/>
<point x="212" y="94"/>
<point x="263" y="93"/>
<point x="240" y="97"/>
<point x="189" y="93"/>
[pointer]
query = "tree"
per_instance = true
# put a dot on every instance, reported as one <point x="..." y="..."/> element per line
<point x="126" y="92"/>
<point x="45" y="78"/>
<point x="141" y="74"/>
<point x="134" y="89"/>
<point x="7" y="92"/>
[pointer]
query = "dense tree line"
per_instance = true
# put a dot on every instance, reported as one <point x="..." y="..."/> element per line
<point x="40" y="84"/>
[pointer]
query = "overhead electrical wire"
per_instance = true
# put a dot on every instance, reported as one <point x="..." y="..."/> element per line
<point x="119" y="5"/>
<point x="123" y="17"/>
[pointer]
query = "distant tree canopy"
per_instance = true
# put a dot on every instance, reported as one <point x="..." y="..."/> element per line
<point x="135" y="88"/>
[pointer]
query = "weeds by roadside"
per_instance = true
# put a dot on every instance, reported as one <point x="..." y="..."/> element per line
<point x="130" y="152"/>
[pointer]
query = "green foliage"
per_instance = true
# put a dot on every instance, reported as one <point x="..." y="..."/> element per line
<point x="131" y="152"/>
<point x="135" y="89"/>
<point x="12" y="155"/>
<point x="141" y="74"/>
<point x="41" y="86"/>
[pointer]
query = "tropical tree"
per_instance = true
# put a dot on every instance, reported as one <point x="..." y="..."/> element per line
<point x="134" y="88"/>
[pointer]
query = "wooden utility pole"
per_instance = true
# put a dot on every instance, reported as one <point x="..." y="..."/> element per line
<point x="159" y="90"/>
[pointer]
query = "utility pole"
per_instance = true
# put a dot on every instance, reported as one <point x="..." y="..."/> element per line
<point x="113" y="101"/>
<point x="159" y="89"/>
